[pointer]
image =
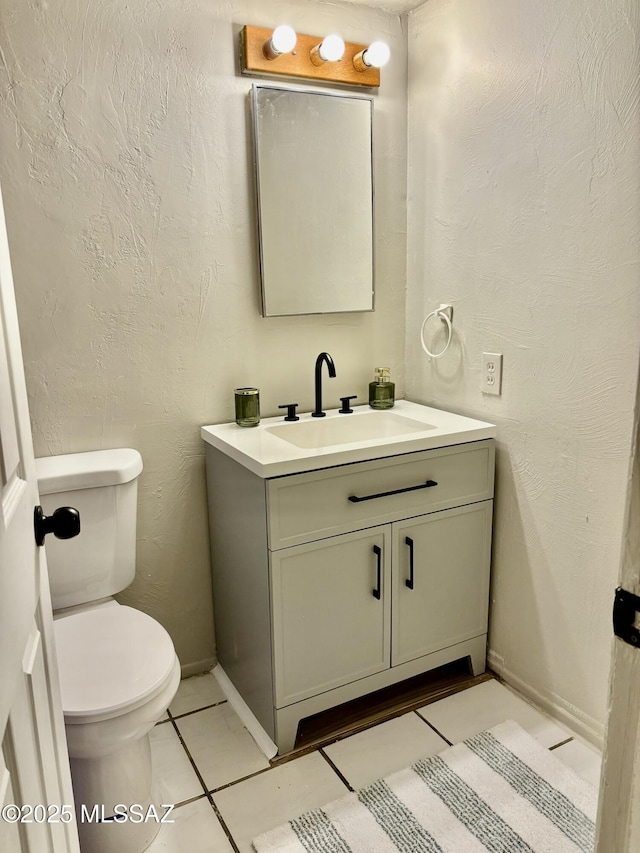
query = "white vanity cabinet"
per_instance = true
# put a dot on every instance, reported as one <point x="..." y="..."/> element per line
<point x="342" y="609"/>
<point x="332" y="583"/>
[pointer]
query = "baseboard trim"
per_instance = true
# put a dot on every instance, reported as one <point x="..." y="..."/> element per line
<point x="245" y="713"/>
<point x="197" y="668"/>
<point x="585" y="726"/>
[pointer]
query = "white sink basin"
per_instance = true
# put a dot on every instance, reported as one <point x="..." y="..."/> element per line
<point x="327" y="432"/>
<point x="275" y="448"/>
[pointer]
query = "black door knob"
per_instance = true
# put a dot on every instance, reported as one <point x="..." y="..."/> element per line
<point x="64" y="523"/>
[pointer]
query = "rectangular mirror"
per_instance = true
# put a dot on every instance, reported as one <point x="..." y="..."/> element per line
<point x="314" y="174"/>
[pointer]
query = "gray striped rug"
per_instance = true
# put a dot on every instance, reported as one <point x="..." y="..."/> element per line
<point x="499" y="791"/>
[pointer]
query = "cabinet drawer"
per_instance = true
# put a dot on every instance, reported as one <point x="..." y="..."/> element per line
<point x="305" y="507"/>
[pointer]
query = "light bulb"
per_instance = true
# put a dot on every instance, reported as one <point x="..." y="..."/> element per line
<point x="377" y="54"/>
<point x="330" y="49"/>
<point x="283" y="40"/>
<point x="374" y="56"/>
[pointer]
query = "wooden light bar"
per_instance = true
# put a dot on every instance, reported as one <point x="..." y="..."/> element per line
<point x="298" y="63"/>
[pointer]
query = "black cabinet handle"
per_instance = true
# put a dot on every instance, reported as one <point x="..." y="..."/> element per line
<point x="355" y="499"/>
<point x="409" y="541"/>
<point x="378" y="552"/>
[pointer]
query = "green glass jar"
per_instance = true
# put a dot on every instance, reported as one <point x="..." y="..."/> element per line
<point x="382" y="390"/>
<point x="247" y="406"/>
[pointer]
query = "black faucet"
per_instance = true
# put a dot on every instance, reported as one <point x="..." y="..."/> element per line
<point x="324" y="356"/>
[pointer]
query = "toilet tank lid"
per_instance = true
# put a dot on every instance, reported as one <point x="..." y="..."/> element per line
<point x="90" y="470"/>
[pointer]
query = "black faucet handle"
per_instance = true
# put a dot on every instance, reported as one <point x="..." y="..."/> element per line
<point x="291" y="411"/>
<point x="346" y="410"/>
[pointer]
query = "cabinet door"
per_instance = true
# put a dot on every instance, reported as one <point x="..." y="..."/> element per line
<point x="329" y="626"/>
<point x="444" y="600"/>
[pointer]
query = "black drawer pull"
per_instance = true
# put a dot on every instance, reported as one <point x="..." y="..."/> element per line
<point x="378" y="552"/>
<point x="409" y="541"/>
<point x="356" y="500"/>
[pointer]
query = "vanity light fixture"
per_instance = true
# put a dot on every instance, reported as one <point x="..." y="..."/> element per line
<point x="328" y="60"/>
<point x="375" y="56"/>
<point x="283" y="40"/>
<point x="330" y="49"/>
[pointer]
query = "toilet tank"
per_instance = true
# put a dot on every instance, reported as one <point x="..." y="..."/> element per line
<point x="102" y="485"/>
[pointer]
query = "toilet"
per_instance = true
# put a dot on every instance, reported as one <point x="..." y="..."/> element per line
<point x="118" y="667"/>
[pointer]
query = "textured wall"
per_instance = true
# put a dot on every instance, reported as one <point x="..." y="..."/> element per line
<point x="524" y="203"/>
<point x="128" y="187"/>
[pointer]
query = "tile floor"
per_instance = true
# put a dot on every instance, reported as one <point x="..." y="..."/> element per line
<point x="226" y="792"/>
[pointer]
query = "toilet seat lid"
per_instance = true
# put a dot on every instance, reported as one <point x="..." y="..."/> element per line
<point x="110" y="658"/>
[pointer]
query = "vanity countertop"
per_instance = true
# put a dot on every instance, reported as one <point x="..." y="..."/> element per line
<point x="275" y="448"/>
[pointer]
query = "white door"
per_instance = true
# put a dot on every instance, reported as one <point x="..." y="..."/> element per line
<point x="618" y="828"/>
<point x="34" y="767"/>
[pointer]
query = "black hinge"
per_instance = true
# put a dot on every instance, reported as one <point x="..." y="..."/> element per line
<point x="626" y="610"/>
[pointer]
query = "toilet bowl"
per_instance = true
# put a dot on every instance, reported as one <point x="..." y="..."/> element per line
<point x="118" y="668"/>
<point x="118" y="673"/>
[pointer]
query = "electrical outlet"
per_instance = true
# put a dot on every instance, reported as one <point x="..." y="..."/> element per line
<point x="491" y="373"/>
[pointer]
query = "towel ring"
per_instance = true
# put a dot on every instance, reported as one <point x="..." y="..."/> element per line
<point x="443" y="316"/>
